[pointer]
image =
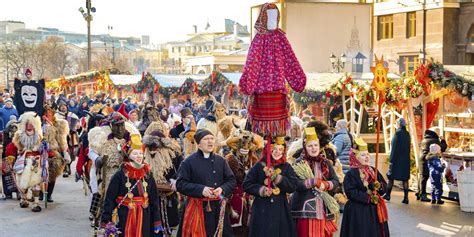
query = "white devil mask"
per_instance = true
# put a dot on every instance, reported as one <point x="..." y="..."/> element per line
<point x="29" y="95"/>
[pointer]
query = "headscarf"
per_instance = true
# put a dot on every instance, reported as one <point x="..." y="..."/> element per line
<point x="355" y="163"/>
<point x="261" y="23"/>
<point x="275" y="141"/>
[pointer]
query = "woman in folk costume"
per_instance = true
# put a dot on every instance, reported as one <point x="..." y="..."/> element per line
<point x="24" y="153"/>
<point x="132" y="197"/>
<point x="327" y="149"/>
<point x="270" y="62"/>
<point x="270" y="210"/>
<point x="365" y="214"/>
<point x="164" y="156"/>
<point x="312" y="206"/>
<point x="56" y="131"/>
<point x="106" y="157"/>
<point x="244" y="145"/>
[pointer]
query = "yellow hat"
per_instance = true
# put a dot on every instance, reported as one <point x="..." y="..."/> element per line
<point x="361" y="144"/>
<point x="135" y="142"/>
<point x="279" y="141"/>
<point x="310" y="134"/>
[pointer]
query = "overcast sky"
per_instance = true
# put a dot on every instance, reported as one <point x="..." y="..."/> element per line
<point x="162" y="20"/>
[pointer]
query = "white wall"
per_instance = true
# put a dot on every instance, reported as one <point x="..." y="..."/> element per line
<point x="315" y="30"/>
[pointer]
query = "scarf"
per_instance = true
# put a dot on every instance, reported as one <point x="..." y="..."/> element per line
<point x="321" y="158"/>
<point x="368" y="176"/>
<point x="274" y="163"/>
<point x="369" y="173"/>
<point x="136" y="173"/>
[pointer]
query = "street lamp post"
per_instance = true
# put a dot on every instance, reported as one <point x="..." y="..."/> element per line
<point x="110" y="28"/>
<point x="338" y="63"/>
<point x="88" y="17"/>
<point x="8" y="72"/>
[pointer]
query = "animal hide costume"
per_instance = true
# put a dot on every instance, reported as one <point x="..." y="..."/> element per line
<point x="29" y="165"/>
<point x="270" y="63"/>
<point x="216" y="112"/>
<point x="242" y="157"/>
<point x="164" y="156"/>
<point x="56" y="132"/>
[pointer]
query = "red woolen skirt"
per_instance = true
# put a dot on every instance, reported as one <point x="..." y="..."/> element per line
<point x="269" y="112"/>
<point x="315" y="228"/>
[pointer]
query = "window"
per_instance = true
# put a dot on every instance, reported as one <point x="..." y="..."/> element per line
<point x="411" y="24"/>
<point x="385" y="27"/>
<point x="408" y="64"/>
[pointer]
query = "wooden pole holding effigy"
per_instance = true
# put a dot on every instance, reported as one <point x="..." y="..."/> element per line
<point x="379" y="118"/>
<point x="379" y="84"/>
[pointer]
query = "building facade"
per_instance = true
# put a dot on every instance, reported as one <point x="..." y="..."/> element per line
<point x="409" y="32"/>
<point x="201" y="51"/>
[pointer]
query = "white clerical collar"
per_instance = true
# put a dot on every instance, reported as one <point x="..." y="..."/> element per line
<point x="206" y="155"/>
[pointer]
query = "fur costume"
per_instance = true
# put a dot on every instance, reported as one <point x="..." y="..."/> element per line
<point x="56" y="132"/>
<point x="100" y="142"/>
<point x="29" y="177"/>
<point x="35" y="120"/>
<point x="173" y="120"/>
<point x="244" y="146"/>
<point x="164" y="156"/>
<point x="150" y="114"/>
<point x="189" y="145"/>
<point x="167" y="150"/>
<point x="227" y="126"/>
<point x="216" y="112"/>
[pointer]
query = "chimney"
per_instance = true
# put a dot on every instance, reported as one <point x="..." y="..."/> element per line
<point x="195" y="29"/>
<point x="236" y="29"/>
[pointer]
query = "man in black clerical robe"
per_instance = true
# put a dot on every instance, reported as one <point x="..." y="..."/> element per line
<point x="205" y="178"/>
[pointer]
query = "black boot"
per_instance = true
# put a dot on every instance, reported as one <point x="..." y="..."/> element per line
<point x="36" y="209"/>
<point x="405" y="192"/>
<point x="389" y="190"/>
<point x="50" y="191"/>
<point x="440" y="202"/>
<point x="423" y="198"/>
<point x="67" y="171"/>
<point x="24" y="204"/>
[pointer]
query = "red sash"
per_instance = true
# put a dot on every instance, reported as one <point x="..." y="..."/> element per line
<point x="193" y="222"/>
<point x="133" y="226"/>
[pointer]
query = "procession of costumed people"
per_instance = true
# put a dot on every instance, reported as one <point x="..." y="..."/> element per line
<point x="153" y="171"/>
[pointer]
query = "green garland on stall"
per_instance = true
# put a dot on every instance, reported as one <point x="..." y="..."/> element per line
<point x="147" y="83"/>
<point x="187" y="87"/>
<point x="216" y="82"/>
<point x="444" y="78"/>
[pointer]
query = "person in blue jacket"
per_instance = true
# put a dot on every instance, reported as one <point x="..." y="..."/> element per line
<point x="343" y="142"/>
<point x="6" y="112"/>
<point x="436" y="168"/>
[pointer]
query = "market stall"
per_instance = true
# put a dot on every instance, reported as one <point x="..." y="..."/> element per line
<point x="447" y="107"/>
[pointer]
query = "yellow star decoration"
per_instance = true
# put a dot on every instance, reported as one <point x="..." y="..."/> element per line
<point x="380" y="82"/>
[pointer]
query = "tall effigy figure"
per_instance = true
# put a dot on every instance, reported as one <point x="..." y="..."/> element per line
<point x="270" y="63"/>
